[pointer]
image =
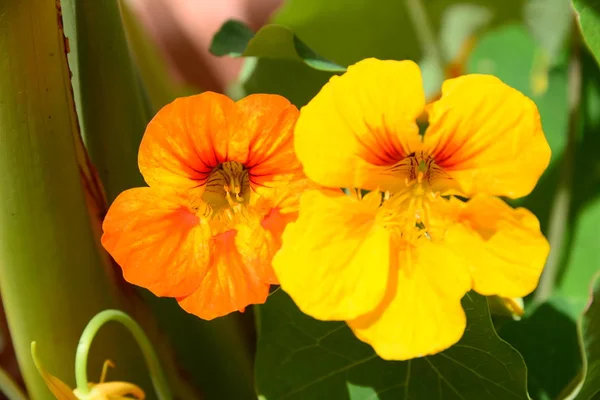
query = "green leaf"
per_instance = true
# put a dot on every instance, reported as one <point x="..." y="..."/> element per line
<point x="590" y="337"/>
<point x="272" y="41"/>
<point x="549" y="22"/>
<point x="583" y="261"/>
<point x="546" y="335"/>
<point x="588" y="12"/>
<point x="349" y="31"/>
<point x="301" y="358"/>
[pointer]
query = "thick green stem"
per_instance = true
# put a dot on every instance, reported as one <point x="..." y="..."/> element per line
<point x="52" y="277"/>
<point x="81" y="359"/>
<point x="109" y="100"/>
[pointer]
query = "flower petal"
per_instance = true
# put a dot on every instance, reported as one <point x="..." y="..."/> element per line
<point x="421" y="313"/>
<point x="265" y="122"/>
<point x="258" y="242"/>
<point x="487" y="136"/>
<point x="158" y="242"/>
<point x="192" y="135"/>
<point x="186" y="140"/>
<point x="59" y="389"/>
<point x="360" y="124"/>
<point x="229" y="285"/>
<point x="506" y="250"/>
<point x="116" y="390"/>
<point x="334" y="261"/>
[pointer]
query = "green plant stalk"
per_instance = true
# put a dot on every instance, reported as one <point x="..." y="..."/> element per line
<point x="81" y="359"/>
<point x="109" y="101"/>
<point x="52" y="276"/>
<point x="559" y="212"/>
<point x="107" y="90"/>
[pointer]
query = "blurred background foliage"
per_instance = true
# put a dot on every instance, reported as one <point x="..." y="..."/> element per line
<point x="69" y="147"/>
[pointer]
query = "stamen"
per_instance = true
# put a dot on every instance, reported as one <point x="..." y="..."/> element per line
<point x="105" y="366"/>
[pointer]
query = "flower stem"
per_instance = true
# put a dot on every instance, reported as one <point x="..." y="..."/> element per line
<point x="424" y="31"/>
<point x="156" y="373"/>
<point x="9" y="387"/>
<point x="559" y="212"/>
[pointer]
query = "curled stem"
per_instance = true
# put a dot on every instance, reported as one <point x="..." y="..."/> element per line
<point x="156" y="373"/>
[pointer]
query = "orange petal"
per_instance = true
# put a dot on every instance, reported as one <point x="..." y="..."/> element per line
<point x="158" y="242"/>
<point x="186" y="139"/>
<point x="192" y="135"/>
<point x="506" y="250"/>
<point x="360" y="124"/>
<point x="421" y="313"/>
<point x="487" y="136"/>
<point x="257" y="242"/>
<point x="265" y="123"/>
<point x="59" y="389"/>
<point x="334" y="261"/>
<point x="229" y="285"/>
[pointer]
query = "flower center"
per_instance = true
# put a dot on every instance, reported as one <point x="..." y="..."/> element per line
<point x="408" y="212"/>
<point x="228" y="186"/>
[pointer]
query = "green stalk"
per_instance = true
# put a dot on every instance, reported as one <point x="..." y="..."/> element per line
<point x="109" y="101"/>
<point x="52" y="276"/>
<point x="559" y="213"/>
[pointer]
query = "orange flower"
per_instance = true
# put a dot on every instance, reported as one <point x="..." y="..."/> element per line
<point x="224" y="181"/>
<point x="395" y="263"/>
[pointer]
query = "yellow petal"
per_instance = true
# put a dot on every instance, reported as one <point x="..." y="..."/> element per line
<point x="503" y="247"/>
<point x="334" y="261"/>
<point x="115" y="390"/>
<point x="487" y="136"/>
<point x="421" y="313"/>
<point x="58" y="388"/>
<point x="360" y="124"/>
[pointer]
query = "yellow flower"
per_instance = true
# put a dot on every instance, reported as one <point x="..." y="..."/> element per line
<point x="101" y="391"/>
<point x="396" y="262"/>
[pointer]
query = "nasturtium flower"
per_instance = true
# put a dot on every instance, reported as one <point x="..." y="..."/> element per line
<point x="223" y="183"/>
<point x="421" y="226"/>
